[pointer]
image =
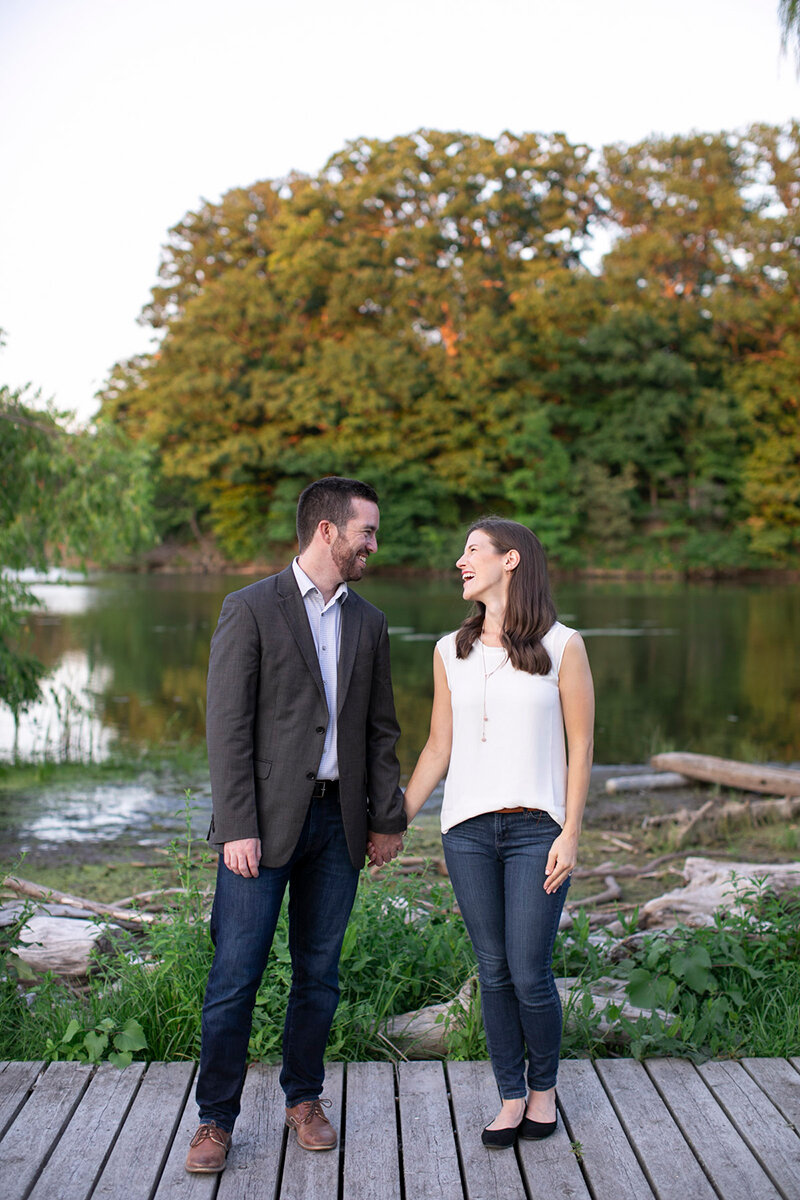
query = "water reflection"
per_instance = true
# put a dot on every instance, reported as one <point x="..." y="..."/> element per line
<point x="692" y="667"/>
<point x="66" y="723"/>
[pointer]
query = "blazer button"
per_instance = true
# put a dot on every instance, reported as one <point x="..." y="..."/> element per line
<point x="310" y="775"/>
<point x="320" y="729"/>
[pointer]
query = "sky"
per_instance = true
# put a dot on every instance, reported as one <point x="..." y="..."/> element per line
<point x="120" y="117"/>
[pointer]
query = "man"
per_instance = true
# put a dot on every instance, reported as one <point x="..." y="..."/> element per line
<point x="301" y="733"/>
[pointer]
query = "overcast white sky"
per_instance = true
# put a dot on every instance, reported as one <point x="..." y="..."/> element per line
<point x="119" y="115"/>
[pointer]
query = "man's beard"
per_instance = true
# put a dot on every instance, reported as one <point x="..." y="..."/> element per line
<point x="350" y="565"/>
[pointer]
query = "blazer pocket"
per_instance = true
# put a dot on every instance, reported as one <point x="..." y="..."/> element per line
<point x="261" y="768"/>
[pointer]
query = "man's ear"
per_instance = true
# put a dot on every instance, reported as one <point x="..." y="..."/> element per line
<point x="328" y="532"/>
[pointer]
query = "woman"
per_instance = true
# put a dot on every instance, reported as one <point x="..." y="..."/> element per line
<point x="506" y="684"/>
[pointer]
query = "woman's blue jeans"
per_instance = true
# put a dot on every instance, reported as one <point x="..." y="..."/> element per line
<point x="496" y="863"/>
<point x="322" y="887"/>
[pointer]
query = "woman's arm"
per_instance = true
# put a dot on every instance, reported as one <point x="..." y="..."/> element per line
<point x="577" y="705"/>
<point x="432" y="762"/>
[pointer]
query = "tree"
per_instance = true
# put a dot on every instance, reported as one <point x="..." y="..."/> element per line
<point x="68" y="495"/>
<point x="789" y="17"/>
<point x="358" y="322"/>
<point x="419" y="313"/>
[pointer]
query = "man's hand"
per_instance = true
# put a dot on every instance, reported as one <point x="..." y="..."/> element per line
<point x="383" y="847"/>
<point x="243" y="857"/>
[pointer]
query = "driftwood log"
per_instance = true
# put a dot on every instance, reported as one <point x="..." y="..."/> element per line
<point x="713" y="885"/>
<point x="423" y="1032"/>
<point x="426" y="1032"/>
<point x="124" y="917"/>
<point x="60" y="944"/>
<point x="748" y="777"/>
<point x="784" y="809"/>
<point x="646" y="783"/>
<point x="62" y="931"/>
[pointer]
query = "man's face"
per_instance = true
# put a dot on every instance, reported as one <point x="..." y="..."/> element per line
<point x="357" y="540"/>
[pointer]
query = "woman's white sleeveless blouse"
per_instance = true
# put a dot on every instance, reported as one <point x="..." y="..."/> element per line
<point x="523" y="760"/>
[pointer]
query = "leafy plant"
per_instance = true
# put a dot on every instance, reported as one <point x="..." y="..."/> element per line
<point x="104" y="1041"/>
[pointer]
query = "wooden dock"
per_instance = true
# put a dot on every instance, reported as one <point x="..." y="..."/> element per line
<point x="627" y="1131"/>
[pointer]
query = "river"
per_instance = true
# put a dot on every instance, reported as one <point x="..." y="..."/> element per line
<point x="711" y="668"/>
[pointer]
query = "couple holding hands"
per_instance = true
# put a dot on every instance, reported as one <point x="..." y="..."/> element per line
<point x="301" y="734"/>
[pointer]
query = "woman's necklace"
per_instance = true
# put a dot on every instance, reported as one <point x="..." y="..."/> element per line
<point x="486" y="675"/>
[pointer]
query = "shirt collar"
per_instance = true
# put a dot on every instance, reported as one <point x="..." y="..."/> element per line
<point x="307" y="585"/>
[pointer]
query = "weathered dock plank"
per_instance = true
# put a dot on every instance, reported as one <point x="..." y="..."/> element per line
<point x="93" y="1127"/>
<point x="371" y="1157"/>
<point x="488" y="1174"/>
<point x="16" y="1081"/>
<point x="551" y="1168"/>
<point x="778" y="1079"/>
<point x="671" y="1168"/>
<point x="306" y="1175"/>
<point x="726" y="1159"/>
<point x="766" y="1131"/>
<point x="175" y="1182"/>
<point x="135" y="1163"/>
<point x="430" y="1160"/>
<point x="606" y="1156"/>
<point x="256" y="1155"/>
<point x="37" y="1126"/>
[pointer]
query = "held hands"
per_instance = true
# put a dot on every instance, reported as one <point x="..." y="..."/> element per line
<point x="243" y="857"/>
<point x="561" y="860"/>
<point x="383" y="847"/>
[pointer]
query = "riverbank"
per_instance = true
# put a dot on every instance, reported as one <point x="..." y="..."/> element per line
<point x="104" y="832"/>
<point x="204" y="557"/>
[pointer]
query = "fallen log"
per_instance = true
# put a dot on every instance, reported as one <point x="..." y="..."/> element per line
<point x="617" y="841"/>
<point x="646" y="783"/>
<point x="711" y="886"/>
<point x="627" y="870"/>
<point x="425" y="1032"/>
<point x="612" y="892"/>
<point x="730" y="813"/>
<point x="129" y="920"/>
<point x="157" y="894"/>
<point x="62" y="945"/>
<point x="748" y="777"/>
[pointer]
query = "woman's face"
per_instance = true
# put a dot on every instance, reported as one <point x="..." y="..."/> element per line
<point x="482" y="567"/>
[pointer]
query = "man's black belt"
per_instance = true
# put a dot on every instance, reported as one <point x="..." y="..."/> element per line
<point x="325" y="787"/>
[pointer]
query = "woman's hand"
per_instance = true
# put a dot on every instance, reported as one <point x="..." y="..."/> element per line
<point x="561" y="860"/>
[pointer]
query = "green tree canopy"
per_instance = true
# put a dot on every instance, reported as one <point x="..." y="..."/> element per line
<point x="421" y="313"/>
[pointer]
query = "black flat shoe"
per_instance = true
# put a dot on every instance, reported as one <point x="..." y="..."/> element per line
<point x="500" y="1139"/>
<point x="534" y="1131"/>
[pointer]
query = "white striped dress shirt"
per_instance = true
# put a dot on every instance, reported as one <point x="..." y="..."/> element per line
<point x="326" y="629"/>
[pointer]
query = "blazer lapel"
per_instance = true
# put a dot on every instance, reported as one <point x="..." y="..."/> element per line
<point x="351" y="628"/>
<point x="294" y="609"/>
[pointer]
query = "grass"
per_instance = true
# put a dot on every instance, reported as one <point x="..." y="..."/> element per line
<point x="183" y="758"/>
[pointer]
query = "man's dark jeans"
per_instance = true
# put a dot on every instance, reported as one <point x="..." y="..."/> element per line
<point x="322" y="886"/>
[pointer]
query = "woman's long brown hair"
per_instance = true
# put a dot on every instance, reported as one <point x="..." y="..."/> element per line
<point x="530" y="611"/>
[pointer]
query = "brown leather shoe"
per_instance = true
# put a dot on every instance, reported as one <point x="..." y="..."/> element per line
<point x="208" y="1149"/>
<point x="314" y="1130"/>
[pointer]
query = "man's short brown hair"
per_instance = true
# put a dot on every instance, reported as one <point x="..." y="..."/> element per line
<point x="329" y="499"/>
